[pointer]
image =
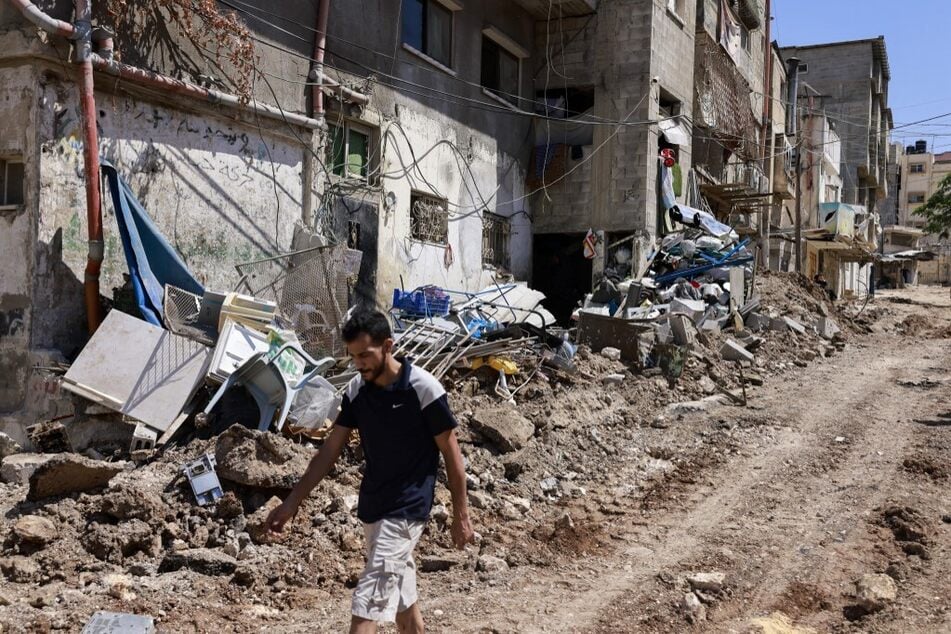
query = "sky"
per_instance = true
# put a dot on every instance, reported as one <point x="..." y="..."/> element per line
<point x="917" y="35"/>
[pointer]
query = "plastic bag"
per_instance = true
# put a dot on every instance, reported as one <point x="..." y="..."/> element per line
<point x="315" y="404"/>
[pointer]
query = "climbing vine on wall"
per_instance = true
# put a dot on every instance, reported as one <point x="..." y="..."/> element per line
<point x="219" y="37"/>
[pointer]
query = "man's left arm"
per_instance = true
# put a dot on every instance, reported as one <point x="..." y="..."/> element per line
<point x="461" y="528"/>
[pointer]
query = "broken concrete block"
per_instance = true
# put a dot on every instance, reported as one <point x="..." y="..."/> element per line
<point x="19" y="569"/>
<point x="756" y="321"/>
<point x="682" y="330"/>
<point x="206" y="561"/>
<point x="509" y="430"/>
<point x="794" y="325"/>
<point x="18" y="468"/>
<point x="707" y="581"/>
<point x="8" y="446"/>
<point x="35" y="530"/>
<point x="712" y="326"/>
<point x="49" y="437"/>
<point x="259" y="458"/>
<point x="827" y="328"/>
<point x="692" y="308"/>
<point x="70" y="473"/>
<point x="613" y="354"/>
<point x="731" y="350"/>
<point x="612" y="379"/>
<point x="664" y="333"/>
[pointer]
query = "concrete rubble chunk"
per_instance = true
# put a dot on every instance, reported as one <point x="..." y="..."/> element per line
<point x="756" y="321"/>
<point x="504" y="426"/>
<point x="874" y="592"/>
<point x="206" y="561"/>
<point x="794" y="325"/>
<point x="612" y="379"/>
<point x="707" y="581"/>
<point x="259" y="459"/>
<point x="712" y="326"/>
<point x="70" y="473"/>
<point x="35" y="530"/>
<point x="613" y="354"/>
<point x="8" y="446"/>
<point x="693" y="609"/>
<point x="682" y="330"/>
<point x="731" y="350"/>
<point x="18" y="468"/>
<point x="692" y="308"/>
<point x="257" y="523"/>
<point x="19" y="569"/>
<point x="827" y="328"/>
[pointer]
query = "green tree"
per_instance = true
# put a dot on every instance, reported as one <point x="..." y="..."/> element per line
<point x="937" y="210"/>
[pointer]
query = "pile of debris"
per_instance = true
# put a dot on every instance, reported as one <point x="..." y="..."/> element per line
<point x="161" y="485"/>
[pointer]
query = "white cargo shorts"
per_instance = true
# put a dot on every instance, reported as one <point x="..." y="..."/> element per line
<point x="388" y="583"/>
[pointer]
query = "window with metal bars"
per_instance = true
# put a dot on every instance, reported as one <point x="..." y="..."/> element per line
<point x="496" y="230"/>
<point x="11" y="182"/>
<point x="429" y="219"/>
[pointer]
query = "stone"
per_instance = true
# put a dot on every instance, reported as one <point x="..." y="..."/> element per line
<point x="565" y="523"/>
<point x="807" y="355"/>
<point x="756" y="321"/>
<point x="712" y="327"/>
<point x="228" y="506"/>
<point x="257" y="523"/>
<point x="479" y="500"/>
<point x="36" y="530"/>
<point x="693" y="608"/>
<point x="707" y="581"/>
<point x="731" y="350"/>
<point x="70" y="473"/>
<point x="874" y="592"/>
<point x="521" y="504"/>
<point x="504" y="426"/>
<point x="118" y="586"/>
<point x="614" y="354"/>
<point x="548" y="485"/>
<point x="827" y="328"/>
<point x="19" y="569"/>
<point x="114" y="543"/>
<point x="612" y="379"/>
<point x="17" y="468"/>
<point x="205" y="561"/>
<point x="707" y="385"/>
<point x="8" y="446"/>
<point x="259" y="459"/>
<point x="490" y="564"/>
<point x="440" y="513"/>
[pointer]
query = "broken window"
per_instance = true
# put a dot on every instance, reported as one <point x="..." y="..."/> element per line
<point x="348" y="150"/>
<point x="500" y="70"/>
<point x="427" y="28"/>
<point x="11" y="181"/>
<point x="495" y="239"/>
<point x="429" y="219"/>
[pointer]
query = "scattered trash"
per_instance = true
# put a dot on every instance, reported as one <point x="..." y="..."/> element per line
<point x="203" y="479"/>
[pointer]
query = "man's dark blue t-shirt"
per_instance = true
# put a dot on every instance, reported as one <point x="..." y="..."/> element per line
<point x="397" y="425"/>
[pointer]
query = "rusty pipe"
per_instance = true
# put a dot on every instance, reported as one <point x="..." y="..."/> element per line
<point x="50" y="24"/>
<point x="87" y="101"/>
<point x="320" y="45"/>
<point x="179" y="87"/>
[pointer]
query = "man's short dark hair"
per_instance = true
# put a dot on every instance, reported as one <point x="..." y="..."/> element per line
<point x="370" y="322"/>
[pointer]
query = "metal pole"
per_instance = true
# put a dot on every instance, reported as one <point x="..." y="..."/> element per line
<point x="792" y="129"/>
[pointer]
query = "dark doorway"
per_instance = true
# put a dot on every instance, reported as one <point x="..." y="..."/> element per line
<point x="358" y="222"/>
<point x="561" y="272"/>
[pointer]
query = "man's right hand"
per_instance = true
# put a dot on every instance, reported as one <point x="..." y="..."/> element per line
<point x="281" y="514"/>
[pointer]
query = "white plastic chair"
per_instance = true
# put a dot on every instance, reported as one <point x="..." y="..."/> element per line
<point x="268" y="386"/>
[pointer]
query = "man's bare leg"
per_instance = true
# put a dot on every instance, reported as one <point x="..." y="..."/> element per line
<point x="410" y="620"/>
<point x="362" y="626"/>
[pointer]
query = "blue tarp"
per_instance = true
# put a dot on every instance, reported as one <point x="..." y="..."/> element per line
<point x="152" y="261"/>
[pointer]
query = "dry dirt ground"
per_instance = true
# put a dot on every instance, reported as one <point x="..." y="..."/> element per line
<point x="793" y="513"/>
<point x="837" y="468"/>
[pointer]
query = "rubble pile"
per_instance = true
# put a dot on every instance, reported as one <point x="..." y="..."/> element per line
<point x="160" y="484"/>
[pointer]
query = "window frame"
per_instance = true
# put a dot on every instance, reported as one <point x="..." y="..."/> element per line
<point x="679" y="13"/>
<point x="451" y="7"/>
<point x="913" y="195"/>
<point x="500" y="251"/>
<point x="346" y="126"/>
<point x="505" y="46"/>
<point x="420" y="196"/>
<point x="5" y="162"/>
<point x="916" y="168"/>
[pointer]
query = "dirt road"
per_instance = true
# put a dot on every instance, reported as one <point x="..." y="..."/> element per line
<point x="839" y="470"/>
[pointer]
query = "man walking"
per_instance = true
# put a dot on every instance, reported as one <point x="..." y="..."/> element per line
<point x="404" y="421"/>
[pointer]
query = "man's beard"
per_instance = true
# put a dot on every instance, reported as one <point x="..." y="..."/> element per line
<point x="372" y="375"/>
